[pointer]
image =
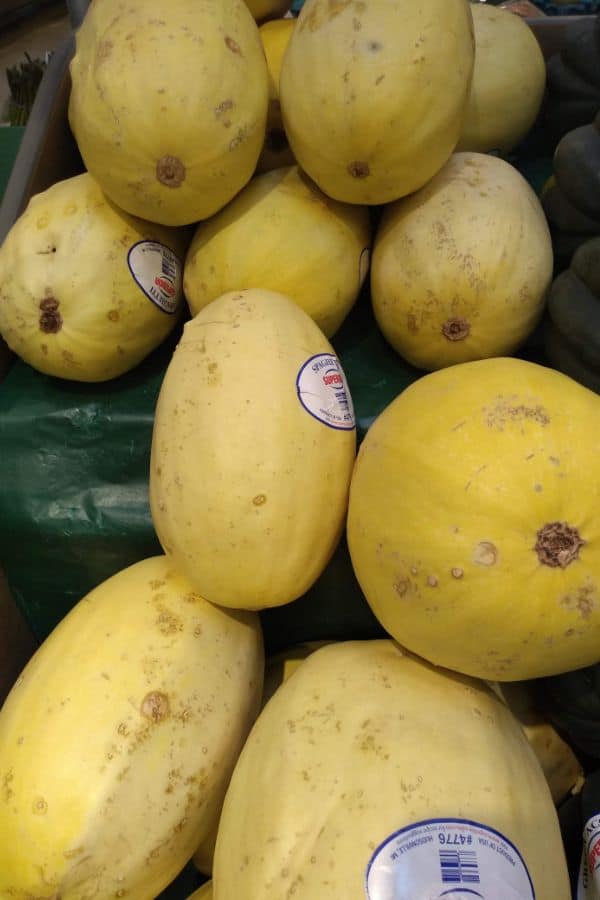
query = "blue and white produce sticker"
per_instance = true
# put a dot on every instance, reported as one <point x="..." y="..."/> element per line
<point x="157" y="271"/>
<point x="588" y="886"/>
<point x="323" y="391"/>
<point x="448" y="859"/>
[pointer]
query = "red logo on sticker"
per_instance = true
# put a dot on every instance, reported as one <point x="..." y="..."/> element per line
<point x="164" y="285"/>
<point x="332" y="379"/>
<point x="594" y="855"/>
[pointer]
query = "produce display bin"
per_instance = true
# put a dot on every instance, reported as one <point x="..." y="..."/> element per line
<point x="48" y="153"/>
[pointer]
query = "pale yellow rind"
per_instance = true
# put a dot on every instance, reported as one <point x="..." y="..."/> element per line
<point x="363" y="740"/>
<point x="168" y="107"/>
<point x="70" y="247"/>
<point x="461" y="268"/>
<point x="373" y="94"/>
<point x="281" y="233"/>
<point x="451" y="486"/>
<point x="248" y="489"/>
<point x="118" y="740"/>
<point x="508" y="81"/>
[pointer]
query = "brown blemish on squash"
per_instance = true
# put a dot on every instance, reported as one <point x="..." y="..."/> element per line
<point x="485" y="554"/>
<point x="233" y="46"/>
<point x="457" y="573"/>
<point x="167" y="622"/>
<point x="105" y="49"/>
<point x="39" y="806"/>
<point x="223" y="107"/>
<point x="374" y="46"/>
<point x="259" y="500"/>
<point x="359" y="169"/>
<point x="584" y="599"/>
<point x="456" y="329"/>
<point x="170" y="171"/>
<point x="411" y="323"/>
<point x="325" y="12"/>
<point x="432" y="581"/>
<point x="113" y="315"/>
<point x="155" y="706"/>
<point x="506" y="411"/>
<point x="50" y="318"/>
<point x="401" y="586"/>
<point x="558" y="544"/>
<point x="237" y="140"/>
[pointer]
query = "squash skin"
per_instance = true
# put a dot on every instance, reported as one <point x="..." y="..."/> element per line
<point x="264" y="239"/>
<point x="373" y="95"/>
<point x="572" y="331"/>
<point x="566" y="359"/>
<point x="118" y="740"/>
<point x="508" y="81"/>
<point x="248" y="489"/>
<point x="69" y="243"/>
<point x="575" y="312"/>
<point x="360" y="741"/>
<point x="473" y="464"/>
<point x="577" y="167"/>
<point x="169" y="111"/>
<point x="461" y="268"/>
<point x="573" y="96"/>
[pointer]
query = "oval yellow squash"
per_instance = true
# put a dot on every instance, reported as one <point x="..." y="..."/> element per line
<point x="169" y="109"/>
<point x="508" y="84"/>
<point x="369" y="773"/>
<point x="461" y="268"/>
<point x="373" y="94"/>
<point x="118" y="740"/>
<point x="281" y="233"/>
<point x="473" y="526"/>
<point x="276" y="152"/>
<point x="87" y="291"/>
<point x="252" y="451"/>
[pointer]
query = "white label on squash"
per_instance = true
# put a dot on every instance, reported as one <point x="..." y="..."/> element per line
<point x="157" y="271"/>
<point x="588" y="887"/>
<point x="323" y="391"/>
<point x="448" y="859"/>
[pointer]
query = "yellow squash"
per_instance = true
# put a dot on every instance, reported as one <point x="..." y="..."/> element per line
<point x="473" y="526"/>
<point x="87" y="291"/>
<point x="276" y="152"/>
<point x="461" y="268"/>
<point x="252" y="451"/>
<point x="118" y="740"/>
<point x="508" y="81"/>
<point x="373" y="94"/>
<point x="283" y="234"/>
<point x="372" y="774"/>
<point x="169" y="109"/>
